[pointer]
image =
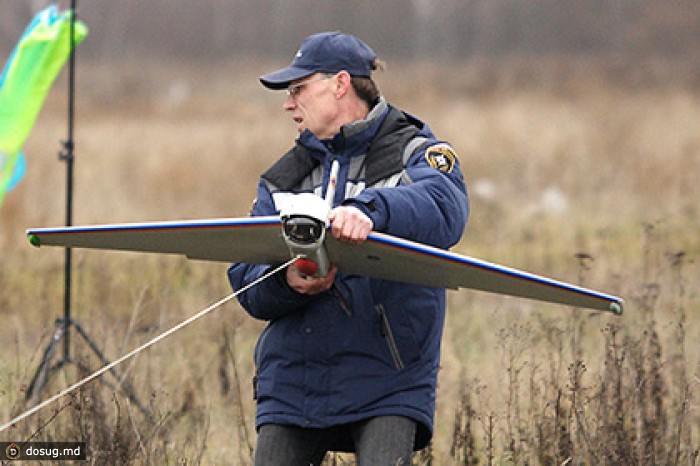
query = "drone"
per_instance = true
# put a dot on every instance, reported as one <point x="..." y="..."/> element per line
<point x="300" y="232"/>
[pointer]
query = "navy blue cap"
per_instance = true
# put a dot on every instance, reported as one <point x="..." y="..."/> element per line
<point x="325" y="52"/>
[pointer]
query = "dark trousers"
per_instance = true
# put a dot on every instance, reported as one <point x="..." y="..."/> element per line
<point x="380" y="441"/>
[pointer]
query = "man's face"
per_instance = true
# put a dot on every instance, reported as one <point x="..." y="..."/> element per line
<point x="311" y="102"/>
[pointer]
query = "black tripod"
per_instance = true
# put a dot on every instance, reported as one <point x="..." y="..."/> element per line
<point x="63" y="325"/>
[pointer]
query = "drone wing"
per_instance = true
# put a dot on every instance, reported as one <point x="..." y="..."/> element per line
<point x="392" y="258"/>
<point x="258" y="240"/>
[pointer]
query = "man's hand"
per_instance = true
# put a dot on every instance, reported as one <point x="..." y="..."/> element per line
<point x="349" y="224"/>
<point x="309" y="285"/>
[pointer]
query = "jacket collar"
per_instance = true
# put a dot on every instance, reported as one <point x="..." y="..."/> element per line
<point x="353" y="137"/>
<point x="387" y="133"/>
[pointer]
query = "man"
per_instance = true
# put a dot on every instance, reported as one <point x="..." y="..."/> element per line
<point x="349" y="363"/>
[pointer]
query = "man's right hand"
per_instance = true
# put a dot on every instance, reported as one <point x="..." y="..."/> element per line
<point x="309" y="285"/>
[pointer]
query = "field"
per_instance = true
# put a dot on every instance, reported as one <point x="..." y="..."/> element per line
<point x="580" y="171"/>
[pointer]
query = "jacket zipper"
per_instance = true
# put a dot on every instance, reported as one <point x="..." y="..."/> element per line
<point x="341" y="300"/>
<point x="388" y="335"/>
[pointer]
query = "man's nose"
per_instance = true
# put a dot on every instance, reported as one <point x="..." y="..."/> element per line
<point x="289" y="103"/>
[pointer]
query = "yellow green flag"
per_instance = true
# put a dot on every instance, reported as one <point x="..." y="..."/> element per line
<point x="32" y="67"/>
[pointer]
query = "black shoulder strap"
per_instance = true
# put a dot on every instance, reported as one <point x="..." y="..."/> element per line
<point x="290" y="169"/>
<point x="385" y="156"/>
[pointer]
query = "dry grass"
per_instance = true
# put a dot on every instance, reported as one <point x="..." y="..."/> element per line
<point x="574" y="172"/>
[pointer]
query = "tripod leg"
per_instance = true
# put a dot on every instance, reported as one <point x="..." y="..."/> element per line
<point x="41" y="376"/>
<point x="125" y="385"/>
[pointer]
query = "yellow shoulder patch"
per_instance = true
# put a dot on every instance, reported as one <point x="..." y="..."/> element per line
<point x="441" y="157"/>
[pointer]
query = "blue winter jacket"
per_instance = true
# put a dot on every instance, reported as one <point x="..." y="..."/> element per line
<point x="368" y="347"/>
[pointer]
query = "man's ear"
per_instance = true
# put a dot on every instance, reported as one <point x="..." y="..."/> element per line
<point x="343" y="83"/>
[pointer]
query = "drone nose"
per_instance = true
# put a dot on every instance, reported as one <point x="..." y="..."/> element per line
<point x="306" y="266"/>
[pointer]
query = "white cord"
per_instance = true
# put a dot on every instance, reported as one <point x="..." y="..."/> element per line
<point x="148" y="344"/>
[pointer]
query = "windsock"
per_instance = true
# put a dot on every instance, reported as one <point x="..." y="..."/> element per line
<point x="32" y="67"/>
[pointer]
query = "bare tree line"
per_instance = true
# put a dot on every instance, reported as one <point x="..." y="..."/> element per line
<point x="453" y="29"/>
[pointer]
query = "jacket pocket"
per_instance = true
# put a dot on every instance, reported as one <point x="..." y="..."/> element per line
<point x="257" y="356"/>
<point x="392" y="340"/>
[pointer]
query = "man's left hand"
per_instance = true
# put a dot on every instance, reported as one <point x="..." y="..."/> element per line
<point x="349" y="224"/>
